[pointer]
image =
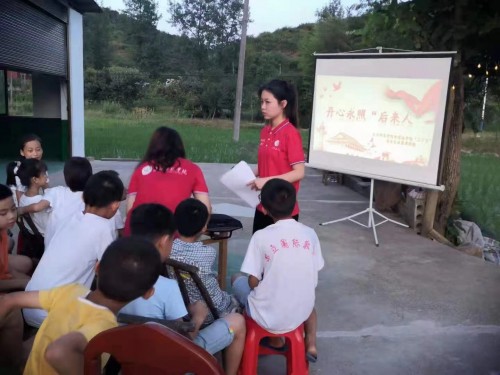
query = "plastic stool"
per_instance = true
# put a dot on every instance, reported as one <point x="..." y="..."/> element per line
<point x="296" y="363"/>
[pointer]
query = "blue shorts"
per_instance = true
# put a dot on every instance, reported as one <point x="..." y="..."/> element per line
<point x="215" y="337"/>
<point x="241" y="290"/>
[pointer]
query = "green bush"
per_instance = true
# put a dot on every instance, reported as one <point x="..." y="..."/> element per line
<point x="115" y="84"/>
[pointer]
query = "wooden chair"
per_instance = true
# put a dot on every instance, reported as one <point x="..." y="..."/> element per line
<point x="149" y="349"/>
<point x="184" y="273"/>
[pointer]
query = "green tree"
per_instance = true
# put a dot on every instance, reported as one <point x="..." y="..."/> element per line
<point x="332" y="9"/>
<point x="469" y="27"/>
<point x="144" y="35"/>
<point x="329" y="35"/>
<point x="115" y="84"/>
<point x="212" y="24"/>
<point x="96" y="40"/>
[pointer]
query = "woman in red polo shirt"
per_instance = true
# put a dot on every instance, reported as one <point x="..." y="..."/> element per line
<point x="280" y="152"/>
<point x="165" y="176"/>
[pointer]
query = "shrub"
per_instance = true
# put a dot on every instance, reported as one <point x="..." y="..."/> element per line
<point x="115" y="84"/>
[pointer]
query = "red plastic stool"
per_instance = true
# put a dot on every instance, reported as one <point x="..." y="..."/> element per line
<point x="296" y="363"/>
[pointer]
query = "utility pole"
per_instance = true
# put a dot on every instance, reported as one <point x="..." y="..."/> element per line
<point x="241" y="72"/>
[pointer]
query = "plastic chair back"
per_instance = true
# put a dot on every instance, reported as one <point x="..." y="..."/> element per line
<point x="149" y="349"/>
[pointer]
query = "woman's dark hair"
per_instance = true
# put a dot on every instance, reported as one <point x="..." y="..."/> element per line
<point x="30" y="168"/>
<point x="283" y="90"/>
<point x="28" y="138"/>
<point x="165" y="147"/>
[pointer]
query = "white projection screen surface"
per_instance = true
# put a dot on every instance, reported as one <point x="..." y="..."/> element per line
<point x="380" y="116"/>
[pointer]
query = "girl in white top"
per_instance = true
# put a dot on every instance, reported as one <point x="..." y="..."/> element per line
<point x="30" y="148"/>
<point x="33" y="175"/>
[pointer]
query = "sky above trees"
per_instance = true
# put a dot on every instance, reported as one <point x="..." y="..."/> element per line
<point x="267" y="15"/>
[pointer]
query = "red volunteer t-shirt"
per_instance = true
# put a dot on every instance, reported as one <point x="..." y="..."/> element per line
<point x="279" y="149"/>
<point x="168" y="188"/>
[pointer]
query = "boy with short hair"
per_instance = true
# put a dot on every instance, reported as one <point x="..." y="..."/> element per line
<point x="128" y="269"/>
<point x="156" y="223"/>
<point x="191" y="217"/>
<point x="78" y="245"/>
<point x="282" y="263"/>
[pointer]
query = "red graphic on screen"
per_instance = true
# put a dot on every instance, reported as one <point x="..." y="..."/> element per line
<point x="337" y="86"/>
<point x="429" y="102"/>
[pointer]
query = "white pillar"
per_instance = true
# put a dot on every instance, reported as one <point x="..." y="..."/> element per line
<point x="75" y="76"/>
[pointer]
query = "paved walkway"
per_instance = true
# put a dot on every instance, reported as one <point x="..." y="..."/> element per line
<point x="410" y="306"/>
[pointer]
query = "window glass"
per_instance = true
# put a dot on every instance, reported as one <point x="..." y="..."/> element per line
<point x="19" y="93"/>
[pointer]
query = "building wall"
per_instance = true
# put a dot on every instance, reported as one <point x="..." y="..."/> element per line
<point x="57" y="75"/>
<point x="75" y="54"/>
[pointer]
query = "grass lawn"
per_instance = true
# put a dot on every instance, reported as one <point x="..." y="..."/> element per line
<point x="123" y="136"/>
<point x="479" y="192"/>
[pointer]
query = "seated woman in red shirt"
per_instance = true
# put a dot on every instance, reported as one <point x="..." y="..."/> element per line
<point x="280" y="152"/>
<point x="165" y="176"/>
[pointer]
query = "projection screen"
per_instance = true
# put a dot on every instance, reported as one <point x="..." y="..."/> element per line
<point x="380" y="115"/>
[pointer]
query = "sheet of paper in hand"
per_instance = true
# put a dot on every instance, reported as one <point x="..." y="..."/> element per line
<point x="237" y="178"/>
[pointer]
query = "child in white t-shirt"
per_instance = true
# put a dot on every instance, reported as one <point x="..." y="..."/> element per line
<point x="75" y="249"/>
<point x="33" y="176"/>
<point x="282" y="263"/>
<point x="66" y="201"/>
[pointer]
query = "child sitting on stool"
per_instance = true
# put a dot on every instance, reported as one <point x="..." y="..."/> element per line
<point x="191" y="217"/>
<point x="282" y="263"/>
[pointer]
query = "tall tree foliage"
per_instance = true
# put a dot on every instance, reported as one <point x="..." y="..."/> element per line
<point x="214" y="28"/>
<point x="471" y="28"/>
<point x="96" y="39"/>
<point x="329" y="35"/>
<point x="144" y="35"/>
<point x="212" y="24"/>
<point x="333" y="9"/>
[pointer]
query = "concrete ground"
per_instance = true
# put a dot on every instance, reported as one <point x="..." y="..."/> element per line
<point x="410" y="306"/>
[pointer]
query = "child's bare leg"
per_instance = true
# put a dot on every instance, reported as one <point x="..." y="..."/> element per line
<point x="11" y="338"/>
<point x="310" y="328"/>
<point x="234" y="351"/>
